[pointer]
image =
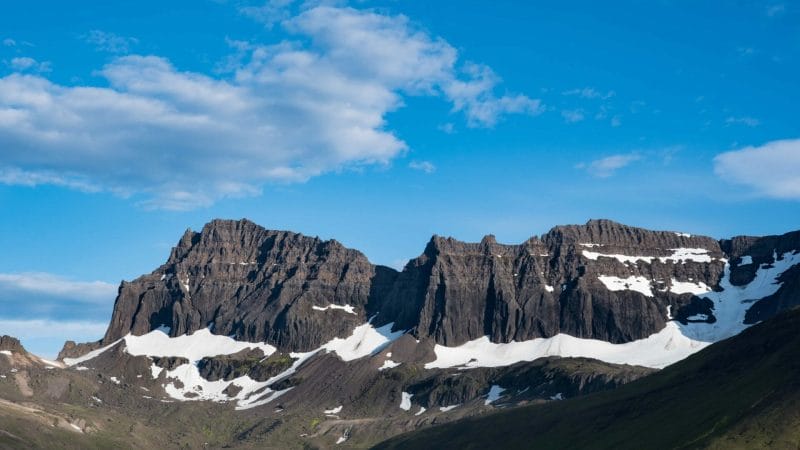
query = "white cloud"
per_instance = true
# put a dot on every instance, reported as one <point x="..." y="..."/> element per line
<point x="590" y="93"/>
<point x="43" y="328"/>
<point x="8" y="42"/>
<point x="772" y="169"/>
<point x="424" y="166"/>
<point x="572" y="115"/>
<point x="608" y="166"/>
<point x="24" y="63"/>
<point x="748" y="121"/>
<point x="287" y="112"/>
<point x="57" y="286"/>
<point x="110" y="42"/>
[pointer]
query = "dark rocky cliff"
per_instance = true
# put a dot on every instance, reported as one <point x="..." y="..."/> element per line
<point x="263" y="285"/>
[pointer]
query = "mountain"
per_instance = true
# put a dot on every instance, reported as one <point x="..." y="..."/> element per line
<point x="287" y="341"/>
<point x="743" y="392"/>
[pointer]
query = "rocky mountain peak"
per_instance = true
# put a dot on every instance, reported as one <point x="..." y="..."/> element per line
<point x="12" y="344"/>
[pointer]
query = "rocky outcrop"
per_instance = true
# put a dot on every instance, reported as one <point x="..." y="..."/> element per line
<point x="11" y="344"/>
<point x="297" y="292"/>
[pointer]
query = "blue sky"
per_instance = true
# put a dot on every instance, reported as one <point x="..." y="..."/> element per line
<point x="378" y="123"/>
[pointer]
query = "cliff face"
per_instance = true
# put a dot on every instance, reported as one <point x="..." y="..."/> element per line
<point x="260" y="285"/>
<point x="297" y="292"/>
<point x="457" y="292"/>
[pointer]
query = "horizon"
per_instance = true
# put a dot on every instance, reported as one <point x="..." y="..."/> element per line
<point x="378" y="124"/>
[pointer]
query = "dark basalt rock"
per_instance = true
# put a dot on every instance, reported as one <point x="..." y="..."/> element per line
<point x="247" y="362"/>
<point x="256" y="284"/>
<point x="262" y="286"/>
<point x="11" y="344"/>
<point x="73" y="350"/>
<point x="169" y="362"/>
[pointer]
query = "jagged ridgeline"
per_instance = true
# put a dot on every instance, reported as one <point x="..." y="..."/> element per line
<point x="264" y="318"/>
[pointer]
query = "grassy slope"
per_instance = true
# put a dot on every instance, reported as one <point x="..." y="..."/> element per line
<point x="740" y="393"/>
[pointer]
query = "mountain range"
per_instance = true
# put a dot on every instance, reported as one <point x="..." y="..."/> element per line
<point x="248" y="337"/>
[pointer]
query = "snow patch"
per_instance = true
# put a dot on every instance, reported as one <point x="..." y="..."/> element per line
<point x="421" y="410"/>
<point x="495" y="392"/>
<point x="194" y="347"/>
<point x="558" y="396"/>
<point x="405" y="401"/>
<point x="549" y="288"/>
<point x="388" y="364"/>
<point x="336" y="410"/>
<point x="632" y="283"/>
<point x="746" y="261"/>
<point x="114" y="379"/>
<point x="366" y="340"/>
<point x="688" y="287"/>
<point x="679" y="255"/>
<point x="448" y="408"/>
<point x="346" y="308"/>
<point x="686" y="235"/>
<point x="5" y="352"/>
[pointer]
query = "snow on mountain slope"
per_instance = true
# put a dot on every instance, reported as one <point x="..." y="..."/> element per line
<point x="185" y="382"/>
<point x="673" y="343"/>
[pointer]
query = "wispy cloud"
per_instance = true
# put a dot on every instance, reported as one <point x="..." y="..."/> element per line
<point x="27" y="64"/>
<point x="590" y="93"/>
<point x="269" y="13"/>
<point x="110" y="42"/>
<point x="747" y="121"/>
<point x="608" y="166"/>
<point x="284" y="113"/>
<point x="8" y="42"/>
<point x="771" y="169"/>
<point x="57" y="286"/>
<point x="572" y="115"/>
<point x="423" y="166"/>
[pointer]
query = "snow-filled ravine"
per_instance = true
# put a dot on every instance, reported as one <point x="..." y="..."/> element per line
<point x="673" y="343"/>
<point x="364" y="341"/>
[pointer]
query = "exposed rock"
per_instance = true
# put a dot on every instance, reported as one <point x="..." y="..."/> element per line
<point x="11" y="344"/>
<point x="276" y="286"/>
<point x="247" y="362"/>
<point x="256" y="284"/>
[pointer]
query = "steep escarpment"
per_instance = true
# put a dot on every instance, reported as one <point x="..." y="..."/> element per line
<point x="256" y="284"/>
<point x="456" y="292"/>
<point x="601" y="280"/>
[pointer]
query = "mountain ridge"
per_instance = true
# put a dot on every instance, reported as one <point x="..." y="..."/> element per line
<point x="453" y="292"/>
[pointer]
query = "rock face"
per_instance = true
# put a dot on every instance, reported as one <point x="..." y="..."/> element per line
<point x="456" y="292"/>
<point x="11" y="344"/>
<point x="257" y="284"/>
<point x="601" y="280"/>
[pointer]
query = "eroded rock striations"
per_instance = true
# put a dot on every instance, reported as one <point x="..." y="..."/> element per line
<point x="602" y="280"/>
